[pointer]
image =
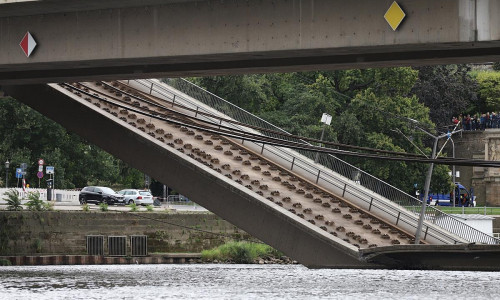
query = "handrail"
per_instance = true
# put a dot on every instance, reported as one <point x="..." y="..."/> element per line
<point x="405" y="201"/>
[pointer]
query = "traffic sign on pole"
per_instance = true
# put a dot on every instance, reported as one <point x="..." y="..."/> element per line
<point x="39" y="175"/>
<point x="49" y="170"/>
<point x="19" y="173"/>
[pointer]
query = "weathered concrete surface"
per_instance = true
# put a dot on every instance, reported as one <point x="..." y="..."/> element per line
<point x="272" y="224"/>
<point x="282" y="230"/>
<point x="468" y="257"/>
<point x="107" y="40"/>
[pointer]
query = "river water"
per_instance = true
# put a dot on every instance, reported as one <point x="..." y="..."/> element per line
<point x="219" y="281"/>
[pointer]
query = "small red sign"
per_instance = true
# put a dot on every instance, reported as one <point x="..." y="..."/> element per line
<point x="28" y="44"/>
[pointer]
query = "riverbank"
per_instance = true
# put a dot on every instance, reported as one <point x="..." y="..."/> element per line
<point x="163" y="258"/>
<point x="245" y="253"/>
<point x="229" y="253"/>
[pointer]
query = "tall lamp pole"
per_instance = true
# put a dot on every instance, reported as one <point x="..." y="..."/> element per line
<point x="7" y="164"/>
<point x="428" y="180"/>
<point x="453" y="176"/>
<point x="326" y="119"/>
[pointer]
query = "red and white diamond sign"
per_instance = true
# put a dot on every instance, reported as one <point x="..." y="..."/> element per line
<point x="28" y="44"/>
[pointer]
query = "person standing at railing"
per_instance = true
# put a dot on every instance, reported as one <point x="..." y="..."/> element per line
<point x="494" y="120"/>
<point x="468" y="122"/>
<point x="475" y="122"/>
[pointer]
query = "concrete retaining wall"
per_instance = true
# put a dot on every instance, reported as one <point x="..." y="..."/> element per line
<point x="182" y="258"/>
<point x="64" y="232"/>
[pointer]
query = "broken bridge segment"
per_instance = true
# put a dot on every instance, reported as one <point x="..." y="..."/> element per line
<point x="255" y="190"/>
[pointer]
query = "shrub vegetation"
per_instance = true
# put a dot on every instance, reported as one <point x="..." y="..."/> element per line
<point x="37" y="204"/>
<point x="13" y="200"/>
<point x="133" y="207"/>
<point x="240" y="252"/>
<point x="103" y="206"/>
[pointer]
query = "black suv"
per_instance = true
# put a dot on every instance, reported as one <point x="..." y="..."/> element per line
<point x="99" y="194"/>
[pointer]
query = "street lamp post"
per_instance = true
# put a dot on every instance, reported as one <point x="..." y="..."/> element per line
<point x="426" y="192"/>
<point x="453" y="176"/>
<point x="326" y="119"/>
<point x="428" y="179"/>
<point x="7" y="173"/>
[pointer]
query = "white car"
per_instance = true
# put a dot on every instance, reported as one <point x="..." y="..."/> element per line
<point x="142" y="197"/>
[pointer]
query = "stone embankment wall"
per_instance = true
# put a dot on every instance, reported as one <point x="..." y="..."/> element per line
<point x="64" y="232"/>
<point x="485" y="181"/>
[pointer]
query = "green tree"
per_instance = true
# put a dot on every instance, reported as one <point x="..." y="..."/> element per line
<point x="366" y="105"/>
<point x="489" y="89"/>
<point x="496" y="66"/>
<point x="380" y="120"/>
<point x="447" y="90"/>
<point x="26" y="136"/>
<point x="250" y="92"/>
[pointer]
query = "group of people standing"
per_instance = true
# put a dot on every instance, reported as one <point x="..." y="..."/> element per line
<point x="478" y="121"/>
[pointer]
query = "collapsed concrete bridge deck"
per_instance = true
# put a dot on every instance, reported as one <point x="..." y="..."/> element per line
<point x="288" y="209"/>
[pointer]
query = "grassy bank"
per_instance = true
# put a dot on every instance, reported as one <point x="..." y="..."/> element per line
<point x="241" y="253"/>
<point x="480" y="210"/>
<point x="471" y="210"/>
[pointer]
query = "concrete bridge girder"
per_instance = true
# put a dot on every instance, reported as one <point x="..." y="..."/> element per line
<point x="177" y="38"/>
<point x="99" y="122"/>
<point x="281" y="229"/>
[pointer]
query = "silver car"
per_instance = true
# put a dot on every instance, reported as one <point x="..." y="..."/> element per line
<point x="142" y="197"/>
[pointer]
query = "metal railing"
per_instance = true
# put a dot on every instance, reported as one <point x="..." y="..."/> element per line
<point x="353" y="177"/>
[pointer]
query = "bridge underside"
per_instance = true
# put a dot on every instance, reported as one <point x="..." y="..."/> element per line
<point x="245" y="63"/>
<point x="121" y="40"/>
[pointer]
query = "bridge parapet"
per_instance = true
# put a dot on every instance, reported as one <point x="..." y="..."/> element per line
<point x="144" y="39"/>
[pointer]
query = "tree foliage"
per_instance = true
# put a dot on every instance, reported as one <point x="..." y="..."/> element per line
<point x="26" y="136"/>
<point x="367" y="105"/>
<point x="489" y="89"/>
<point x="447" y="91"/>
<point x="496" y="66"/>
<point x="370" y="107"/>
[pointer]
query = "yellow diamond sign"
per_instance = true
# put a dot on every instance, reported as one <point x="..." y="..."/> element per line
<point x="394" y="15"/>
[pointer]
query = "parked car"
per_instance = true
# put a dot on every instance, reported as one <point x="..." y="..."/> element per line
<point x="142" y="197"/>
<point x="99" y="194"/>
